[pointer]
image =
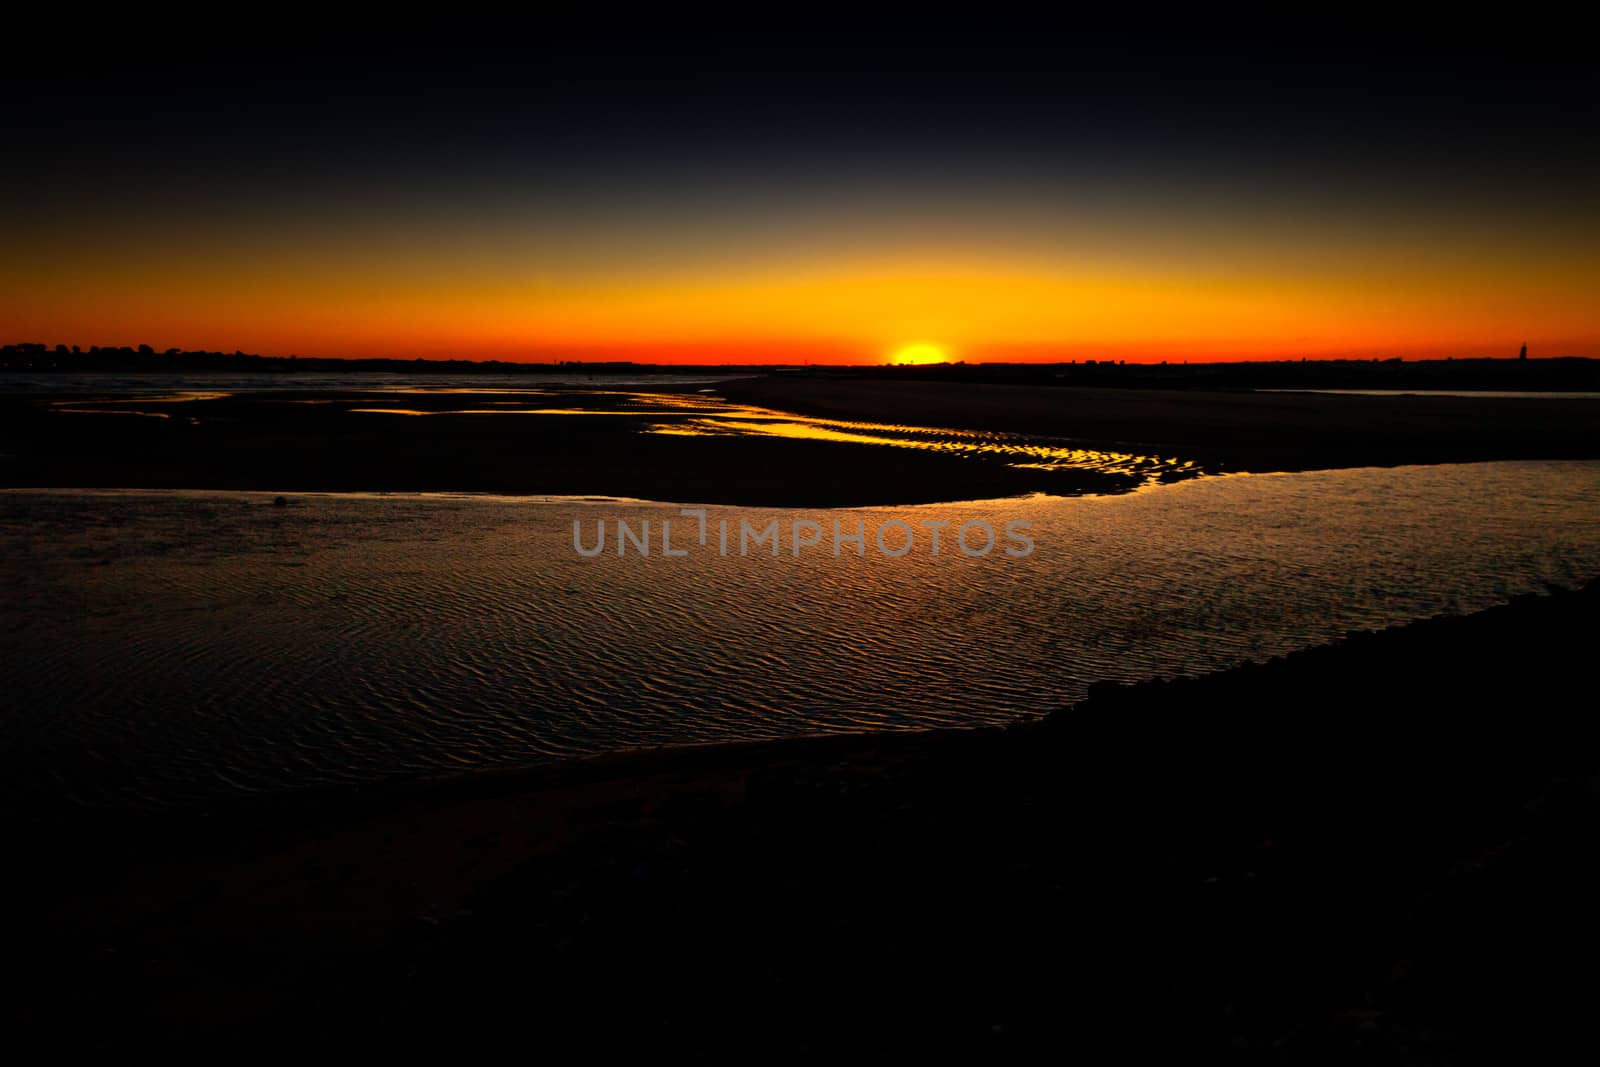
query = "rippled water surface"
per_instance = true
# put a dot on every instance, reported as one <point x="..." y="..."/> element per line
<point x="169" y="646"/>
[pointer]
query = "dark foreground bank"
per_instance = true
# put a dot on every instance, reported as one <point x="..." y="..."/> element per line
<point x="1382" y="850"/>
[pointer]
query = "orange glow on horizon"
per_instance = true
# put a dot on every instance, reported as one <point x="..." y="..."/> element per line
<point x="981" y="303"/>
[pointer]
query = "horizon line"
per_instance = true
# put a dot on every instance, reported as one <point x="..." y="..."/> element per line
<point x="35" y="348"/>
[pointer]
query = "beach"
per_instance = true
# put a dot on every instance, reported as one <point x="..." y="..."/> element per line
<point x="502" y="825"/>
<point x="1355" y="851"/>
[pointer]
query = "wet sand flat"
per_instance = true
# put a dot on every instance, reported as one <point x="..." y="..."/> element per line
<point x="757" y="441"/>
<point x="1234" y="430"/>
<point x="555" y="442"/>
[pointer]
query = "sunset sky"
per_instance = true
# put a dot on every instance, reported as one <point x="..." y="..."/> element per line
<point x="803" y="198"/>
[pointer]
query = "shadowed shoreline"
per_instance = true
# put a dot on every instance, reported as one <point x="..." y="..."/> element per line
<point x="1360" y="850"/>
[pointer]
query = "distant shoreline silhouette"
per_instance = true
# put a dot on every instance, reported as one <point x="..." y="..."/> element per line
<point x="1520" y="372"/>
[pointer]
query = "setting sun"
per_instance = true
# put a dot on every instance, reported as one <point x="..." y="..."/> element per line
<point x="920" y="353"/>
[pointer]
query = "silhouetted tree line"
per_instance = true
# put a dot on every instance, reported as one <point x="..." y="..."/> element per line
<point x="1514" y="372"/>
<point x="38" y="357"/>
<point x="1566" y="374"/>
<point x="64" y="358"/>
